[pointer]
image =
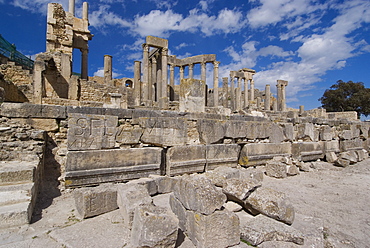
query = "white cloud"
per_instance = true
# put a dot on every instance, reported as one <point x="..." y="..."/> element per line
<point x="102" y="17"/>
<point x="164" y="4"/>
<point x="100" y="73"/>
<point x="182" y="45"/>
<point x="38" y="6"/>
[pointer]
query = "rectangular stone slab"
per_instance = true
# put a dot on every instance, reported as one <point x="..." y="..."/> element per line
<point x="99" y="166"/>
<point x="254" y="154"/>
<point x="185" y="159"/>
<point x="222" y="155"/>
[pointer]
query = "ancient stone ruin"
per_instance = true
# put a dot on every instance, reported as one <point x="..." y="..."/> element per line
<point x="176" y="155"/>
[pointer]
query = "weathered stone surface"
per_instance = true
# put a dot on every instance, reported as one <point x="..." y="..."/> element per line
<point x="95" y="201"/>
<point x="259" y="153"/>
<point x="271" y="203"/>
<point x="235" y="129"/>
<point x="276" y="133"/>
<point x="17" y="171"/>
<point x="258" y="130"/>
<point x="91" y="132"/>
<point x="199" y="194"/>
<point x="362" y="154"/>
<point x="253" y="173"/>
<point x="342" y="162"/>
<point x="288" y="131"/>
<point x="354" y="144"/>
<point x="276" y="169"/>
<point x="127" y="134"/>
<point x="307" y="151"/>
<point x="238" y="189"/>
<point x="219" y="175"/>
<point x="149" y="183"/>
<point x="206" y="230"/>
<point x="192" y="95"/>
<point x="303" y="166"/>
<point x="26" y="110"/>
<point x="210" y="131"/>
<point x="179" y="210"/>
<point x="163" y="131"/>
<point x="222" y="155"/>
<point x="331" y="146"/>
<point x="261" y="228"/>
<point x="98" y="166"/>
<point x="49" y="125"/>
<point x="165" y="184"/>
<point x="185" y="159"/>
<point x="129" y="197"/>
<point x="351" y="156"/>
<point x="2" y="95"/>
<point x="306" y="132"/>
<point x="292" y="170"/>
<point x="326" y="133"/>
<point x="15" y="214"/>
<point x="331" y="157"/>
<point x="232" y="206"/>
<point x="153" y="226"/>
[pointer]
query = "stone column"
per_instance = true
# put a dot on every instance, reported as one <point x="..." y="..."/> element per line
<point x="203" y="72"/>
<point x="107" y="69"/>
<point x="137" y="85"/>
<point x="145" y="80"/>
<point x="274" y="106"/>
<point x="301" y="109"/>
<point x="39" y="67"/>
<point x="246" y="101"/>
<point x="164" y="72"/>
<point x="181" y="73"/>
<point x="84" y="63"/>
<point x="215" y="83"/>
<point x="172" y="82"/>
<point x="153" y="81"/>
<point x="71" y="7"/>
<point x="238" y="95"/>
<point x="252" y="90"/>
<point x="232" y="93"/>
<point x="258" y="99"/>
<point x="191" y="73"/>
<point x="225" y="89"/>
<point x="281" y="102"/>
<point x="85" y="11"/>
<point x="267" y="97"/>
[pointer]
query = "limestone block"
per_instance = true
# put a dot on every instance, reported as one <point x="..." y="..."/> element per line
<point x="354" y="144"/>
<point x="288" y="131"/>
<point x="95" y="201"/>
<point x="235" y="129"/>
<point x="192" y="95"/>
<point x="259" y="153"/>
<point x="276" y="169"/>
<point x="91" y="132"/>
<point x="219" y="175"/>
<point x="49" y="125"/>
<point x="292" y="170"/>
<point x="306" y="132"/>
<point x="331" y="146"/>
<point x="271" y="203"/>
<point x="164" y="131"/>
<point x="258" y="130"/>
<point x="351" y="156"/>
<point x="165" y="184"/>
<point x="185" y="159"/>
<point x="222" y="155"/>
<point x="207" y="230"/>
<point x="326" y="133"/>
<point x="128" y="134"/>
<point x="331" y="157"/>
<point x="346" y="134"/>
<point x="98" y="166"/>
<point x="261" y="229"/>
<point x="239" y="189"/>
<point x="362" y="155"/>
<point x="232" y="206"/>
<point x="342" y="162"/>
<point x="303" y="166"/>
<point x="149" y="183"/>
<point x="210" y="131"/>
<point x="129" y="197"/>
<point x="199" y="194"/>
<point x="153" y="226"/>
<point x="276" y="134"/>
<point x="179" y="210"/>
<point x="26" y="110"/>
<point x="253" y="173"/>
<point x="364" y="131"/>
<point x="307" y="151"/>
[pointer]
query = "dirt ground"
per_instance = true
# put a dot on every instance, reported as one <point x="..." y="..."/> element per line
<point x="338" y="197"/>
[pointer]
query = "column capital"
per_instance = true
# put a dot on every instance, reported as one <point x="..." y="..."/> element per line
<point x="216" y="63"/>
<point x="164" y="51"/>
<point x="191" y="66"/>
<point x="154" y="60"/>
<point x="172" y="68"/>
<point x="181" y="68"/>
<point x="145" y="47"/>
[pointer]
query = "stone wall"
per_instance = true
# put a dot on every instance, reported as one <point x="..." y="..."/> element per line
<point x="95" y="145"/>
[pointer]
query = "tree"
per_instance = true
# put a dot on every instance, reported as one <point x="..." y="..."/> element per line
<point x="347" y="96"/>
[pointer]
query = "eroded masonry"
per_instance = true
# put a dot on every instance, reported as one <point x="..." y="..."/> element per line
<point x="100" y="130"/>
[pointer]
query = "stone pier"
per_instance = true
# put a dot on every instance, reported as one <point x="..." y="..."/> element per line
<point x="107" y="69"/>
<point x="267" y="97"/>
<point x="281" y="99"/>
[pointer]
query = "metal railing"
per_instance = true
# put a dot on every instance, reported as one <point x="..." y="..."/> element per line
<point x="9" y="50"/>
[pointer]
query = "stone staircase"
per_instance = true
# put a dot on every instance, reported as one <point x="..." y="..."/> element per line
<point x="18" y="192"/>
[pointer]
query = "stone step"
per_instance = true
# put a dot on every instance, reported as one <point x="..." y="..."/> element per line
<point x="13" y="197"/>
<point x="15" y="214"/>
<point x="13" y="172"/>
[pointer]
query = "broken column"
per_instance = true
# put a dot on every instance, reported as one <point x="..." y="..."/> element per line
<point x="137" y="88"/>
<point x="71" y="7"/>
<point x="281" y="101"/>
<point x="267" y="97"/>
<point x="107" y="69"/>
<point x="252" y="90"/>
<point x="215" y="83"/>
<point x="85" y="11"/>
<point x="225" y="89"/>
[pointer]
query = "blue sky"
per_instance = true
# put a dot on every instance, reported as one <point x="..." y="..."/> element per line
<point x="311" y="44"/>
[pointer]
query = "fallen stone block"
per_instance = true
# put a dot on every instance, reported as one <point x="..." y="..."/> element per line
<point x="261" y="229"/>
<point x="222" y="155"/>
<point x="259" y="153"/>
<point x="303" y="166"/>
<point x="342" y="162"/>
<point x="207" y="230"/>
<point x="271" y="203"/>
<point x="292" y="170"/>
<point x="149" y="183"/>
<point x="165" y="184"/>
<point x="197" y="193"/>
<point x="179" y="210"/>
<point x="153" y="226"/>
<point x="253" y="173"/>
<point x="276" y="169"/>
<point x="95" y="201"/>
<point x="331" y="157"/>
<point x="185" y="159"/>
<point x="239" y="189"/>
<point x="362" y="155"/>
<point x="351" y="156"/>
<point x="130" y="196"/>
<point x="219" y="175"/>
<point x="232" y="206"/>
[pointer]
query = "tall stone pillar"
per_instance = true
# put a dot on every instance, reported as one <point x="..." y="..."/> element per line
<point x="164" y="72"/>
<point x="225" y="89"/>
<point x="85" y="11"/>
<point x="238" y="95"/>
<point x="246" y="101"/>
<point x="145" y="80"/>
<point x="232" y="93"/>
<point x="71" y="7"/>
<point x="181" y="73"/>
<point x="281" y="101"/>
<point x="172" y="83"/>
<point x="137" y="83"/>
<point x="252" y="90"/>
<point x="203" y="72"/>
<point x="215" y="83"/>
<point x="191" y="72"/>
<point x="107" y="69"/>
<point x="84" y="63"/>
<point x="258" y="99"/>
<point x="267" y="97"/>
<point x="38" y="69"/>
<point x="153" y="81"/>
<point x="301" y="110"/>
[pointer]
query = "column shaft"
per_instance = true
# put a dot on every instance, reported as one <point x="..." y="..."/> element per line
<point x="107" y="69"/>
<point x="215" y="83"/>
<point x="164" y="72"/>
<point x="267" y="97"/>
<point x="246" y="101"/>
<point x="145" y="81"/>
<point x="84" y="63"/>
<point x="225" y="89"/>
<point x="191" y="73"/>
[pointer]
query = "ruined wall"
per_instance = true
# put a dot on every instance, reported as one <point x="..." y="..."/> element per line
<point x="95" y="145"/>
